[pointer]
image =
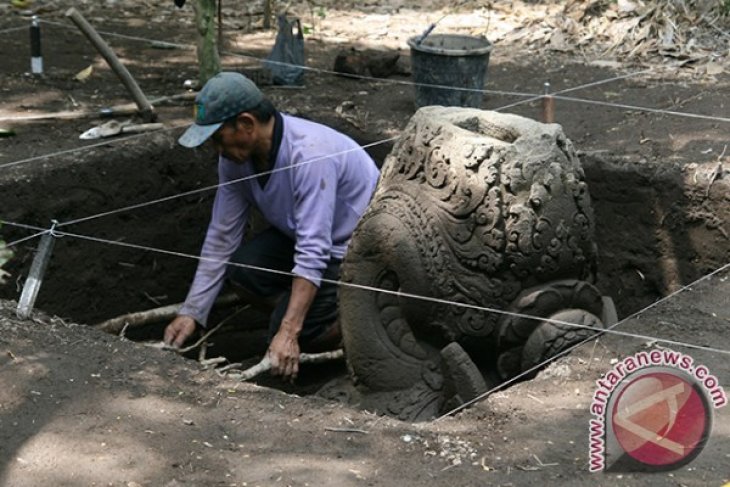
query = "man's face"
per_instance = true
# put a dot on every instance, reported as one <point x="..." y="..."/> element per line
<point x="235" y="141"/>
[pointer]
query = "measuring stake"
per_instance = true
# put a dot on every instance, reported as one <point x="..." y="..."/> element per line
<point x="35" y="276"/>
<point x="36" y="59"/>
<point x="548" y="105"/>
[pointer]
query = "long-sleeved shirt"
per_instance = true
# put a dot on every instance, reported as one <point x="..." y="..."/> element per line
<point x="321" y="184"/>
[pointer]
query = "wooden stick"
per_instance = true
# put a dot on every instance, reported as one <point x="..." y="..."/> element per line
<point x="548" y="106"/>
<point x="145" y="108"/>
<point x="201" y="341"/>
<point x="548" y="109"/>
<point x="304" y="358"/>
<point x="130" y="108"/>
<point x="164" y="313"/>
<point x="117" y="110"/>
<point x="345" y="430"/>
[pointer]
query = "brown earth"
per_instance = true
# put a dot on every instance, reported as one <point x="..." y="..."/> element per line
<point x="78" y="407"/>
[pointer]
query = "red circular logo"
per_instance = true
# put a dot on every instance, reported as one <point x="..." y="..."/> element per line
<point x="661" y="418"/>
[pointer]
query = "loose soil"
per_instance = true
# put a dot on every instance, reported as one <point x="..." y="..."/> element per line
<point x="78" y="407"/>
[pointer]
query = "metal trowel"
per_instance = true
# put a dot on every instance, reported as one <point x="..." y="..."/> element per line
<point x="114" y="127"/>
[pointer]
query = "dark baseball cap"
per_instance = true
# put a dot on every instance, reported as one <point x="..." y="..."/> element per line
<point x="225" y="95"/>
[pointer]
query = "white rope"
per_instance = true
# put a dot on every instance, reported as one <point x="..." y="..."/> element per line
<point x="90" y="146"/>
<point x="384" y="80"/>
<point x="530" y="96"/>
<point x="13" y="29"/>
<point x="25" y="239"/>
<point x="603" y="81"/>
<point x="557" y="95"/>
<point x="401" y="294"/>
<point x="610" y="330"/>
<point x="216" y="186"/>
<point x="308" y="68"/>
<point x="576" y="88"/>
<point x="208" y="188"/>
<point x="641" y="109"/>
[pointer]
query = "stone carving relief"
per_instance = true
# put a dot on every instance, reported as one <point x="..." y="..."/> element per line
<point x="473" y="208"/>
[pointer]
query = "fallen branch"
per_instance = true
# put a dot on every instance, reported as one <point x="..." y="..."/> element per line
<point x="164" y="313"/>
<point x="115" y="111"/>
<point x="345" y="430"/>
<point x="213" y="361"/>
<point x="304" y="358"/>
<point x="201" y="341"/>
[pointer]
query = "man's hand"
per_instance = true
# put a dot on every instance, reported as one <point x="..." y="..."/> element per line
<point x="179" y="330"/>
<point x="284" y="349"/>
<point x="284" y="354"/>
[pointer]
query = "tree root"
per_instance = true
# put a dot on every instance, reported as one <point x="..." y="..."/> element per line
<point x="265" y="364"/>
<point x="156" y="315"/>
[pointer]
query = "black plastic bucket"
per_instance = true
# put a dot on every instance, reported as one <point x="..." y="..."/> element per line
<point x="449" y="60"/>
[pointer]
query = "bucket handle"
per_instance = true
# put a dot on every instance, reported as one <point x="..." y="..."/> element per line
<point x="425" y="34"/>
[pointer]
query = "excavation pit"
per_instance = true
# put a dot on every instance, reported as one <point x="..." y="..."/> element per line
<point x="658" y="226"/>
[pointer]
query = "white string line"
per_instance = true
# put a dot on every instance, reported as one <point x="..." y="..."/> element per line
<point x="530" y="96"/>
<point x="576" y="88"/>
<point x="220" y="185"/>
<point x="610" y="330"/>
<point x="399" y="294"/>
<point x="640" y="109"/>
<point x="308" y="68"/>
<point x="208" y="188"/>
<point x="122" y="36"/>
<point x="601" y="82"/>
<point x="13" y="29"/>
<point x="168" y="198"/>
<point x="521" y="102"/>
<point x="25" y="239"/>
<point x="90" y="146"/>
<point x="384" y="80"/>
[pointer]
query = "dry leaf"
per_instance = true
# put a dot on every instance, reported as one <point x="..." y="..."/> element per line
<point x="558" y="42"/>
<point x="713" y="68"/>
<point x="626" y="6"/>
<point x="21" y="3"/>
<point x="84" y="74"/>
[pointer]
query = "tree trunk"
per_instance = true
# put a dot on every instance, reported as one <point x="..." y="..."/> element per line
<point x="267" y="13"/>
<point x="208" y="61"/>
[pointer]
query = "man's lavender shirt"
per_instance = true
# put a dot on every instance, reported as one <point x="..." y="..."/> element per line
<point x="321" y="185"/>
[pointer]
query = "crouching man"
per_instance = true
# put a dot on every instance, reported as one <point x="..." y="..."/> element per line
<point x="310" y="182"/>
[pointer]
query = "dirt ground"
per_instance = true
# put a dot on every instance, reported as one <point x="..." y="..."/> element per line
<point x="79" y="407"/>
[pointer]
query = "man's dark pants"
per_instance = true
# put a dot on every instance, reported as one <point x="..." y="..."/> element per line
<point x="272" y="249"/>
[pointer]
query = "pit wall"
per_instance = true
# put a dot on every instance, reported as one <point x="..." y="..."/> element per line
<point x="657" y="227"/>
<point x="89" y="281"/>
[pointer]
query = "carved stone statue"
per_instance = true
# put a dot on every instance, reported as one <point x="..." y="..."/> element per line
<point x="488" y="216"/>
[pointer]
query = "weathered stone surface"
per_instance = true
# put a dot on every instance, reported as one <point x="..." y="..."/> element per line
<point x="473" y="207"/>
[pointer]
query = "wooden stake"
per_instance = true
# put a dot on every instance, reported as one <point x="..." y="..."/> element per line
<point x="35" y="276"/>
<point x="548" y="106"/>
